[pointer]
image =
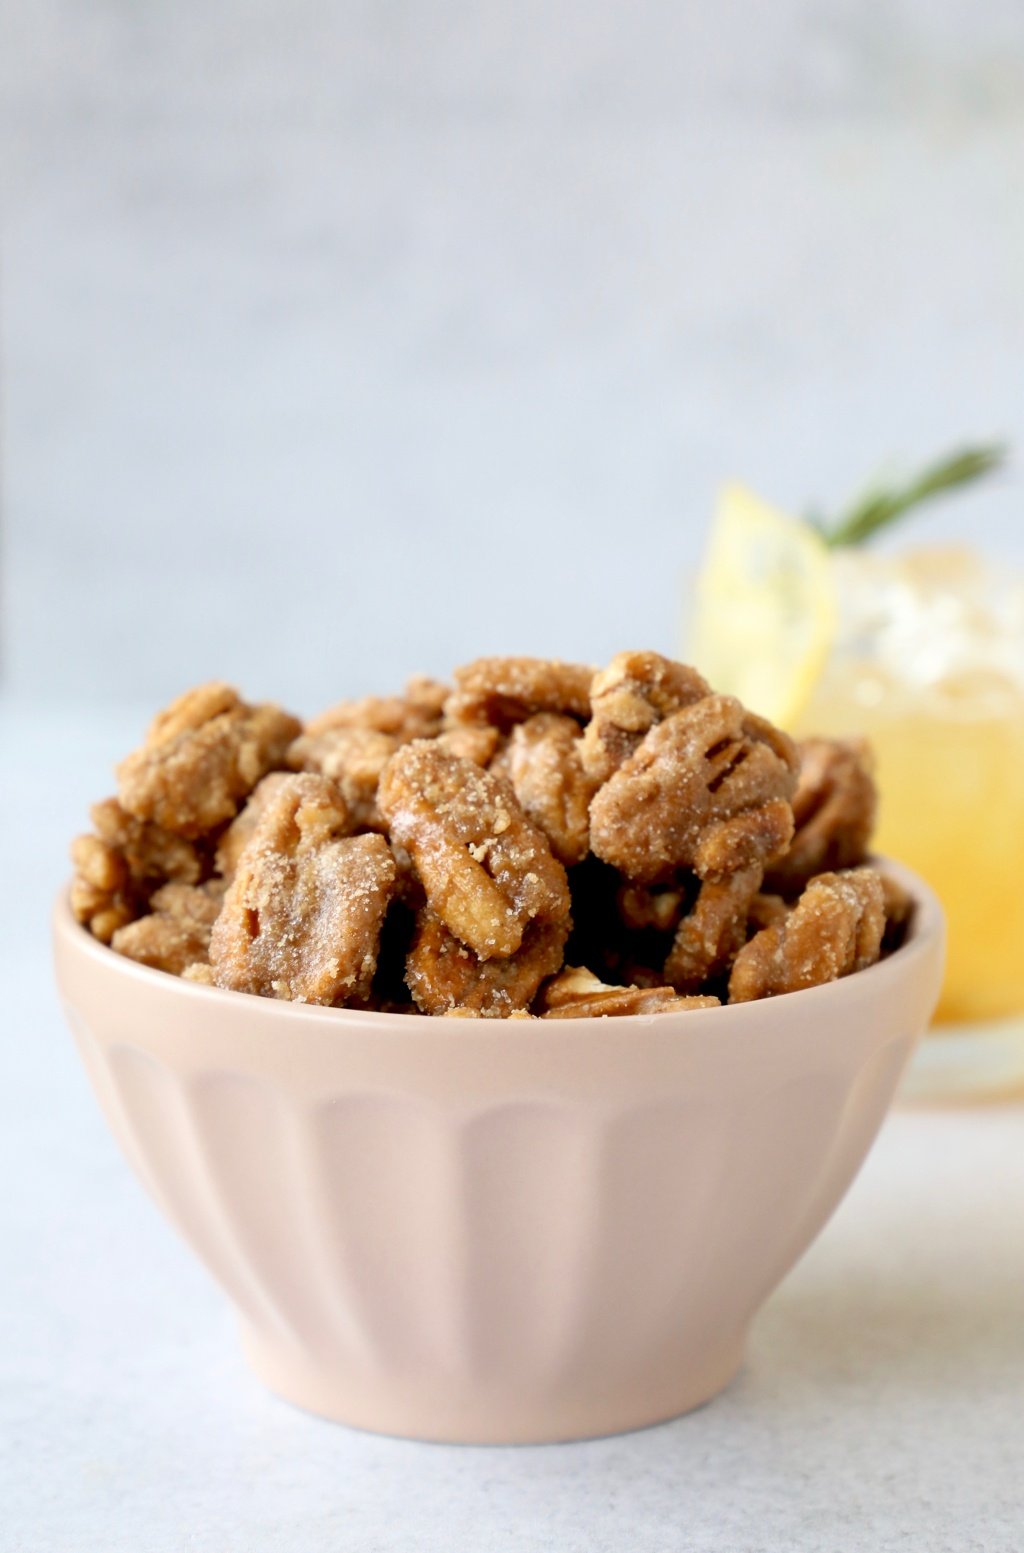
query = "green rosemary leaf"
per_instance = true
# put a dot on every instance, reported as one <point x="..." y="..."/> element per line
<point x="882" y="506"/>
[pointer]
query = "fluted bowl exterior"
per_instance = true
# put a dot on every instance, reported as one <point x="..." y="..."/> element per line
<point x="483" y="1230"/>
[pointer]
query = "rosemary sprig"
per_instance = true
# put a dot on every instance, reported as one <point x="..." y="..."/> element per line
<point x="881" y="505"/>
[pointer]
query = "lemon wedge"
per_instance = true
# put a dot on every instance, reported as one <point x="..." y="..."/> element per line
<point x="765" y="609"/>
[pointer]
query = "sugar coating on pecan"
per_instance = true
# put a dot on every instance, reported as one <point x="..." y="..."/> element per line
<point x="506" y="691"/>
<point x="102" y="896"/>
<point x="416" y="715"/>
<point x="834" y="810"/>
<point x="708" y="789"/>
<point x="151" y="854"/>
<point x="201" y="757"/>
<point x="636" y="691"/>
<point x="710" y="936"/>
<point x="200" y="971"/>
<point x="444" y="975"/>
<point x="175" y="933"/>
<point x="834" y="929"/>
<point x="765" y="911"/>
<point x="302" y="916"/>
<point x="542" y="762"/>
<point x="354" y="759"/>
<point x="471" y="741"/>
<point x="118" y="867"/>
<point x="233" y="841"/>
<point x="578" y="994"/>
<point x="478" y="742"/>
<point x="487" y="870"/>
<point x="480" y="1013"/>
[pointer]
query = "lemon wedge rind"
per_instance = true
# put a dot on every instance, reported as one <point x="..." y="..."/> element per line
<point x="765" y="608"/>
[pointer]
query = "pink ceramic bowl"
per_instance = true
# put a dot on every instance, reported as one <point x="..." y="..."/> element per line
<point x="489" y="1231"/>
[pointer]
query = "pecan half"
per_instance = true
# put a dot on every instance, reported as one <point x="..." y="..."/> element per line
<point x="542" y="762"/>
<point x="834" y="929"/>
<point x="834" y="809"/>
<point x="175" y="933"/>
<point x="706" y="789"/>
<point x="303" y="914"/>
<point x="505" y="691"/>
<point x="353" y="758"/>
<point x="445" y="976"/>
<point x="201" y="757"/>
<point x="119" y="866"/>
<point x="710" y="936"/>
<point x="636" y="691"/>
<point x="488" y="872"/>
<point x="578" y="994"/>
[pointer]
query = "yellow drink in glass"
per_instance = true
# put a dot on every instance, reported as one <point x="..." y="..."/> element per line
<point x="922" y="651"/>
<point x="924" y="664"/>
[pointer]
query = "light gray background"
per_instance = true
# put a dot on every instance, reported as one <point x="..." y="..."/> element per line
<point x="347" y="339"/>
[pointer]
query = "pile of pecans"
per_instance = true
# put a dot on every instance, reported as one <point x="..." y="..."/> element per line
<point x="539" y="839"/>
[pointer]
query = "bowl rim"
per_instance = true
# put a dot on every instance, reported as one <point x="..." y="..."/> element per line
<point x="927" y="925"/>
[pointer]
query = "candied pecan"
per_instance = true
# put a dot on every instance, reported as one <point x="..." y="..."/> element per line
<point x="443" y="974"/>
<point x="152" y="855"/>
<point x="175" y="934"/>
<point x="711" y="935"/>
<point x="481" y="1013"/>
<point x="353" y="758"/>
<point x="833" y="811"/>
<point x="118" y="867"/>
<point x="416" y="715"/>
<point x="302" y="916"/>
<point x="101" y="907"/>
<point x="635" y="691"/>
<point x="201" y="971"/>
<point x="487" y="870"/>
<point x="578" y="994"/>
<point x="236" y="837"/>
<point x="202" y="755"/>
<point x="478" y="742"/>
<point x="834" y="929"/>
<point x="765" y="911"/>
<point x="542" y="762"/>
<point x="505" y="691"/>
<point x="707" y="788"/>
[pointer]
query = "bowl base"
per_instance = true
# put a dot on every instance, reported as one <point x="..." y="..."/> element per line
<point x="415" y="1411"/>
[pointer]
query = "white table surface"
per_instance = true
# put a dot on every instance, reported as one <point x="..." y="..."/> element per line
<point x="881" y="1406"/>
